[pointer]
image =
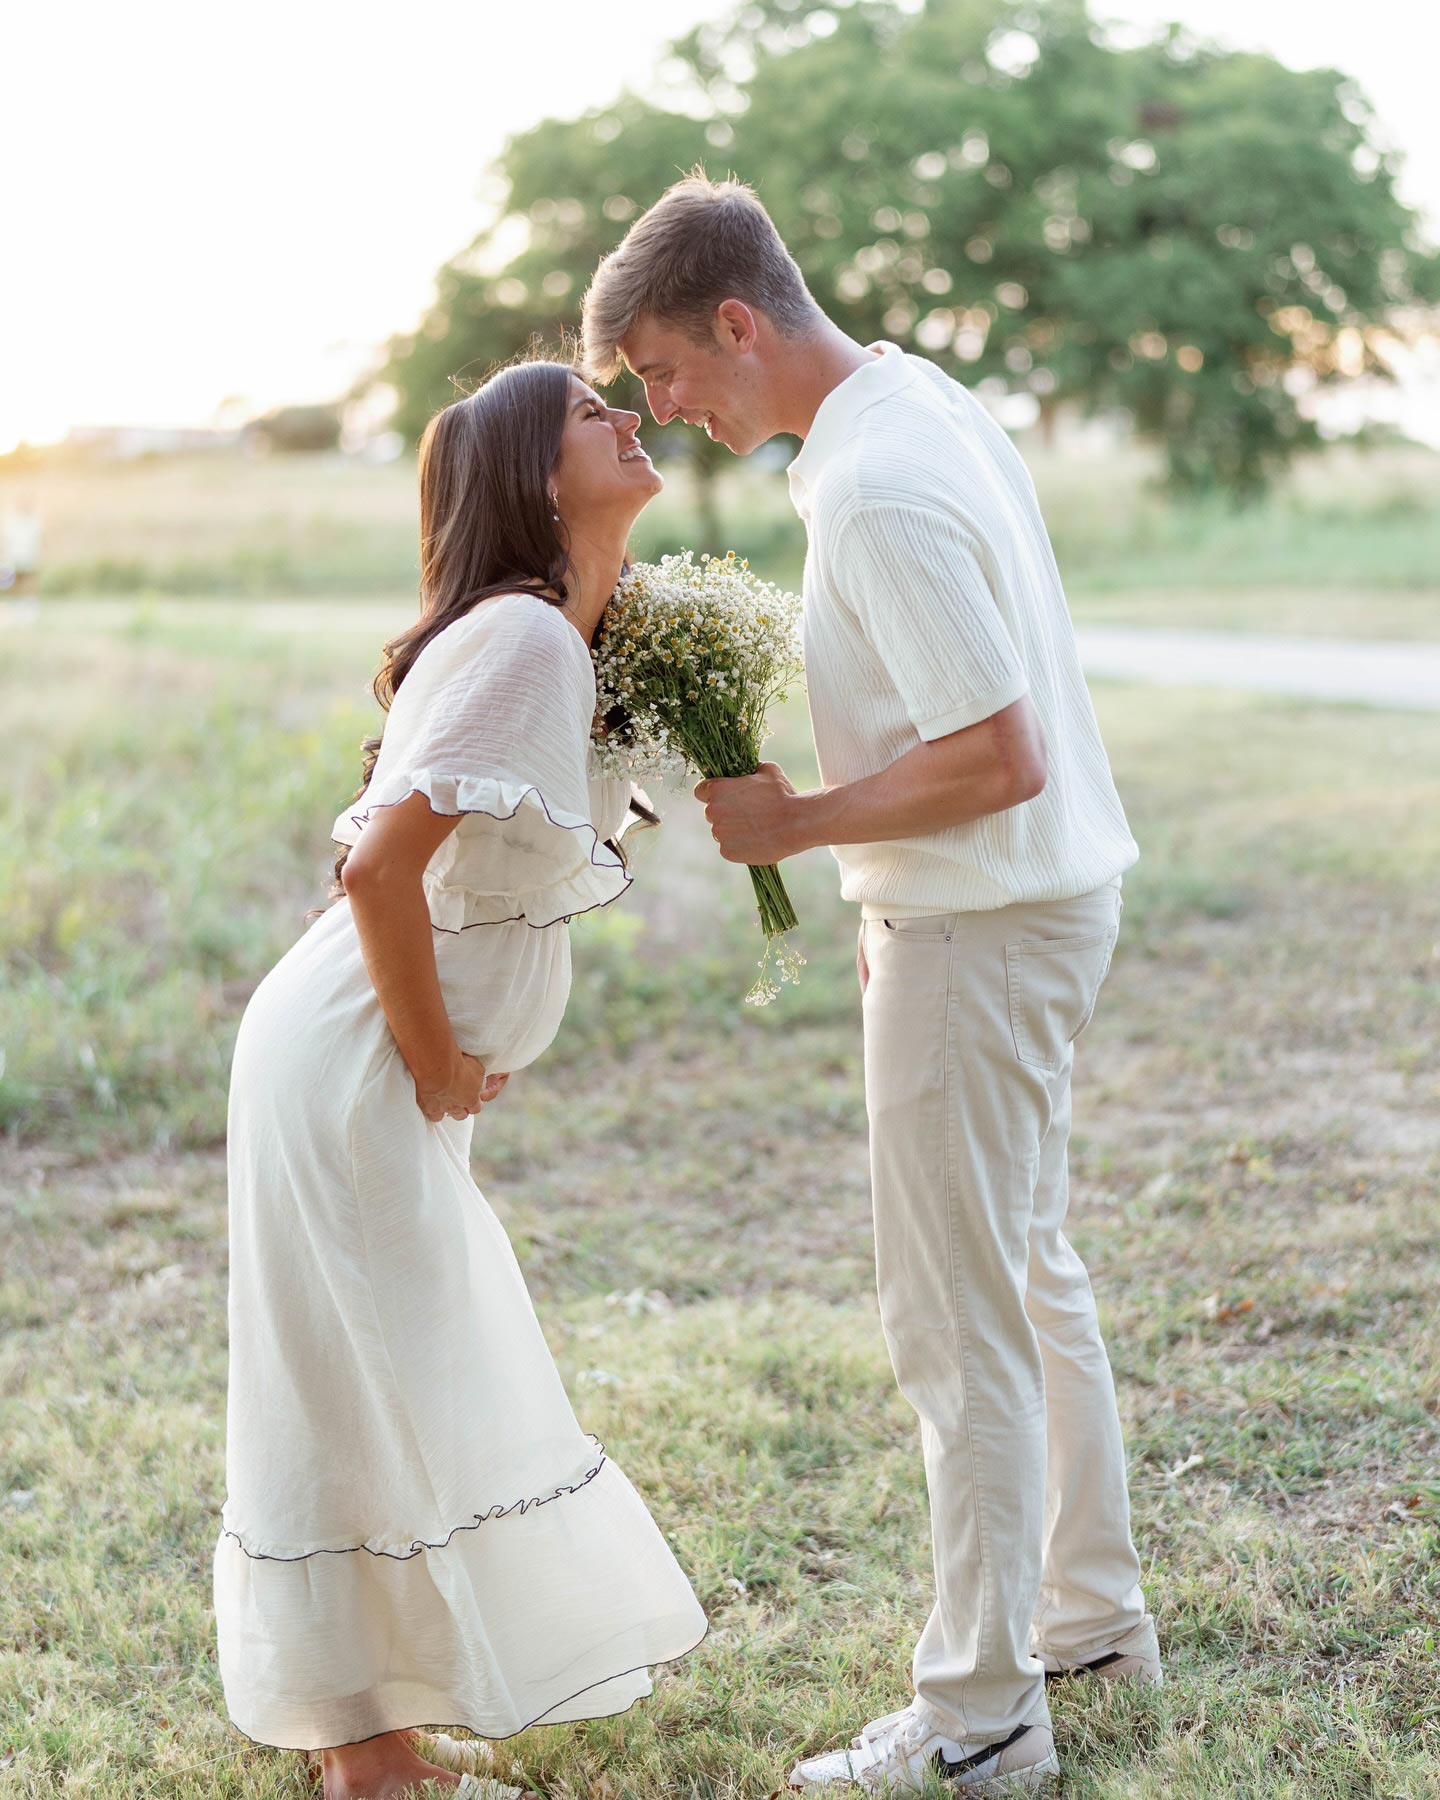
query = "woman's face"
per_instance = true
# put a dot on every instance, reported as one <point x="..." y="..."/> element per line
<point x="601" y="471"/>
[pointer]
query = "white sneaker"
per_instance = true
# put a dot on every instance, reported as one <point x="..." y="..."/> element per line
<point x="473" y="1756"/>
<point x="1133" y="1657"/>
<point x="468" y="1758"/>
<point x="904" y="1751"/>
<point x="471" y="1788"/>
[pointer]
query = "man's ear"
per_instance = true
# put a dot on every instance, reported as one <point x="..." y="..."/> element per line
<point x="735" y="326"/>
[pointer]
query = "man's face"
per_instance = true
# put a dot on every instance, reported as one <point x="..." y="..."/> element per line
<point x="703" y="384"/>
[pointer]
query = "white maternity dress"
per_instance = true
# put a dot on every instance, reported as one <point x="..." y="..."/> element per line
<point x="416" y="1530"/>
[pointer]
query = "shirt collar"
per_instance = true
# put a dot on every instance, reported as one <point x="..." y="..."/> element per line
<point x="885" y="374"/>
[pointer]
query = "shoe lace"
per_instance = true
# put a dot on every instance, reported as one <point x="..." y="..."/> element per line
<point x="893" y="1739"/>
<point x="877" y="1728"/>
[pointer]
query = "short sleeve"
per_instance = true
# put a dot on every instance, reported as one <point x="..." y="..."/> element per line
<point x="493" y="723"/>
<point x="929" y="613"/>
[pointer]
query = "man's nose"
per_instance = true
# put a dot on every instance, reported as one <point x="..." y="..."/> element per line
<point x="661" y="409"/>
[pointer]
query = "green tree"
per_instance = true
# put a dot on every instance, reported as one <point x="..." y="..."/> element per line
<point x="299" y="429"/>
<point x="1192" y="233"/>
<point x="1196" y="234"/>
<point x="571" y="189"/>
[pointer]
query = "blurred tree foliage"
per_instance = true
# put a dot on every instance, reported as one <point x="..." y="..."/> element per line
<point x="571" y="189"/>
<point x="1194" y="234"/>
<point x="298" y="429"/>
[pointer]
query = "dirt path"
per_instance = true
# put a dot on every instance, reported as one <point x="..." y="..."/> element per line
<point x="1368" y="673"/>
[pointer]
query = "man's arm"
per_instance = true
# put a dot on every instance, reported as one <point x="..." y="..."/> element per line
<point x="982" y="768"/>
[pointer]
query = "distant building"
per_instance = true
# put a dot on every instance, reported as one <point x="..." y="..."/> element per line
<point x="123" y="443"/>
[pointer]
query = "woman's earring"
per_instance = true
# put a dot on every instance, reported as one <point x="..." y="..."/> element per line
<point x="555" y="503"/>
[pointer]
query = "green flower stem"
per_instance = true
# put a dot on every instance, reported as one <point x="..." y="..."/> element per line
<point x="719" y="733"/>
<point x="776" y="912"/>
<point x="716" y="740"/>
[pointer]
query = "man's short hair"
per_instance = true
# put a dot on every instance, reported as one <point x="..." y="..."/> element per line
<point x="701" y="242"/>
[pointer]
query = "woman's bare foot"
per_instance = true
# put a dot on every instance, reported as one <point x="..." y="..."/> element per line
<point x="387" y="1767"/>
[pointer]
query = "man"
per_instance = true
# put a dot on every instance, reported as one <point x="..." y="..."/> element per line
<point x="969" y="803"/>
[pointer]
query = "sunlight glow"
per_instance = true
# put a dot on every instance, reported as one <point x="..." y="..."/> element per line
<point x="212" y="204"/>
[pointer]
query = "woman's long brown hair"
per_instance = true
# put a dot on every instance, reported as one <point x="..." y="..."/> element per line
<point x="486" y="519"/>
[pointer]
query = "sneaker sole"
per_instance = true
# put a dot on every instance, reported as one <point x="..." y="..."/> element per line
<point x="1040" y="1778"/>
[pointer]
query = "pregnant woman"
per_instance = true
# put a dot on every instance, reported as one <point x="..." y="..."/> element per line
<point x="416" y="1530"/>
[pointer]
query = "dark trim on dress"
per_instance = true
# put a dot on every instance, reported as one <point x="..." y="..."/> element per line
<point x="494" y="1512"/>
<point x="518" y="918"/>
<point x="358" y="820"/>
<point x="539" y="1718"/>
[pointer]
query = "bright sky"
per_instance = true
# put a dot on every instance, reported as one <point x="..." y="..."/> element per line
<point x="207" y="200"/>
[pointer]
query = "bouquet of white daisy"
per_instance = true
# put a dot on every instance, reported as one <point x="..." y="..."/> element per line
<point x="688" y="658"/>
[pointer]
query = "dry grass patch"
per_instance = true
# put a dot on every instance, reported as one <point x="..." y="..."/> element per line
<point x="1253" y="1176"/>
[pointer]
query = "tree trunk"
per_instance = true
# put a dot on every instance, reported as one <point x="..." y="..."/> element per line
<point x="707" y="504"/>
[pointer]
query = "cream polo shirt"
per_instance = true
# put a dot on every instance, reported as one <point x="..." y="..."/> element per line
<point x="932" y="601"/>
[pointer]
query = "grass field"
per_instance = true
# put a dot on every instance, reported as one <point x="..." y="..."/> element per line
<point x="1348" y="543"/>
<point x="684" y="1179"/>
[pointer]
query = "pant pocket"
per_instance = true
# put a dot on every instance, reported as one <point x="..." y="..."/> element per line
<point x="926" y="927"/>
<point x="1053" y="985"/>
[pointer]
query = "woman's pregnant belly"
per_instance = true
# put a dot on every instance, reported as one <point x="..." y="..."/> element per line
<point x="316" y="1014"/>
<point x="505" y="987"/>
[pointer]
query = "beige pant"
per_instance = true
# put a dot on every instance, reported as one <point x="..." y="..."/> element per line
<point x="970" y="1021"/>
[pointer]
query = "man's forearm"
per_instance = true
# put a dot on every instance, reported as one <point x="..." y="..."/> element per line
<point x="982" y="768"/>
<point x="948" y="781"/>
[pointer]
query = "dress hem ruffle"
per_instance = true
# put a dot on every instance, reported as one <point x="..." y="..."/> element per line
<point x="416" y="1545"/>
<point x="500" y="1737"/>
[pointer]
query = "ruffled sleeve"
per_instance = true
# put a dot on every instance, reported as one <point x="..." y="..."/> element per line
<point x="493" y="723"/>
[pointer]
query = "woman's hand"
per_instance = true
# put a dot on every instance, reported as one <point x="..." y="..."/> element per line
<point x="465" y="1089"/>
